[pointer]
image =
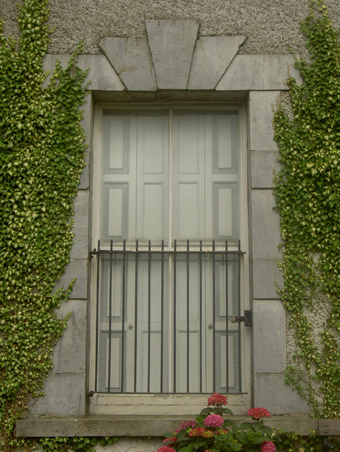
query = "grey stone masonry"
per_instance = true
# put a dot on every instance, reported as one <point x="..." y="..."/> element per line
<point x="212" y="56"/>
<point x="269" y="336"/>
<point x="265" y="239"/>
<point x="132" y="60"/>
<point x="172" y="44"/>
<point x="80" y="225"/>
<point x="77" y="268"/>
<point x="265" y="225"/>
<point x="69" y="355"/>
<point x="271" y="391"/>
<point x="65" y="396"/>
<point x="259" y="72"/>
<point x="261" y="106"/>
<point x="267" y="277"/>
<point x="139" y="425"/>
<point x="262" y="167"/>
<point x="102" y="75"/>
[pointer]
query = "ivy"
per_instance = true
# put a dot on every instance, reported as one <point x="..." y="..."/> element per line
<point x="307" y="193"/>
<point x="41" y="160"/>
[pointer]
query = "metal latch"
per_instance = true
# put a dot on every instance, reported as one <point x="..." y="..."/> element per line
<point x="247" y="318"/>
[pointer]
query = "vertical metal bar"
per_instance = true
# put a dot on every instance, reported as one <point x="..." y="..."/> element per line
<point x="98" y="316"/>
<point x="149" y="313"/>
<point x="239" y="313"/>
<point x="214" y="309"/>
<point x="201" y="316"/>
<point x="175" y="262"/>
<point x="123" y="316"/>
<point x="227" y="315"/>
<point x="162" y="313"/>
<point x="188" y="323"/>
<point x="110" y="318"/>
<point x="136" y="315"/>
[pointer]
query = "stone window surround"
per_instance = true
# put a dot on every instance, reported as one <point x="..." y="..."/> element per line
<point x="174" y="64"/>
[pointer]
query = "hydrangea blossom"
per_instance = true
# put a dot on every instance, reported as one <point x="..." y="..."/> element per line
<point x="188" y="424"/>
<point x="268" y="446"/>
<point x="166" y="449"/>
<point x="214" y="420"/>
<point x="257" y="413"/>
<point x="217" y="400"/>
<point x="201" y="431"/>
<point x="170" y="440"/>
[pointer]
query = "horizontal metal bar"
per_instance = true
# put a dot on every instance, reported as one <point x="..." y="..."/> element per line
<point x="165" y="252"/>
<point x="118" y="393"/>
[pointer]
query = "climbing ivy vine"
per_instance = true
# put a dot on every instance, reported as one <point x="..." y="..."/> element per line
<point x="308" y="199"/>
<point x="41" y="160"/>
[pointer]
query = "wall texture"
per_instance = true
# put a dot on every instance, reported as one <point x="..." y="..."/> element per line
<point x="270" y="25"/>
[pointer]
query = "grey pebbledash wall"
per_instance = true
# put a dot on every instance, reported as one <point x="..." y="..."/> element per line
<point x="270" y="25"/>
<point x="254" y="72"/>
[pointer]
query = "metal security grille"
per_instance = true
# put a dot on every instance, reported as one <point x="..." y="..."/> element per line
<point x="164" y="318"/>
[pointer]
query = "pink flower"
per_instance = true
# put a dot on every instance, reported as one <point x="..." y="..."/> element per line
<point x="257" y="413"/>
<point x="198" y="431"/>
<point x="217" y="400"/>
<point x="166" y="449"/>
<point x="268" y="446"/>
<point x="188" y="424"/>
<point x="170" y="440"/>
<point x="178" y="430"/>
<point x="214" y="420"/>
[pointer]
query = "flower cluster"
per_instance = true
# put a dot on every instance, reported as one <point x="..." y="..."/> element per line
<point x="217" y="400"/>
<point x="201" y="431"/>
<point x="258" y="413"/>
<point x="214" y="420"/>
<point x="268" y="446"/>
<point x="209" y="432"/>
<point x="188" y="424"/>
<point x="170" y="440"/>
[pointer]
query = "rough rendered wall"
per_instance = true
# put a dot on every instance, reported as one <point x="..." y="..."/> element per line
<point x="270" y="25"/>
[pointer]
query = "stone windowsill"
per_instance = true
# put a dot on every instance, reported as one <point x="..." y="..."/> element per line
<point x="132" y="425"/>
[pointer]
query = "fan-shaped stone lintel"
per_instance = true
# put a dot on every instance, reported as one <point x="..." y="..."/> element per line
<point x="172" y="57"/>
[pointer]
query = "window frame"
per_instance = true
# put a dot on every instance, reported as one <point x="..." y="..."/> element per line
<point x="114" y="403"/>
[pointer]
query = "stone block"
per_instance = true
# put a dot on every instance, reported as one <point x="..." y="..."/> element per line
<point x="263" y="164"/>
<point x="77" y="268"/>
<point x="269" y="336"/>
<point x="107" y="426"/>
<point x="261" y="120"/>
<point x="86" y="122"/>
<point x="172" y="45"/>
<point x="265" y="221"/>
<point x="271" y="392"/>
<point x="266" y="276"/>
<point x="132" y="60"/>
<point x="80" y="248"/>
<point x="102" y="75"/>
<point x="45" y="427"/>
<point x="84" y="183"/>
<point x="65" y="396"/>
<point x="69" y="355"/>
<point x="293" y="423"/>
<point x="212" y="56"/>
<point x="259" y="72"/>
<point x="121" y="425"/>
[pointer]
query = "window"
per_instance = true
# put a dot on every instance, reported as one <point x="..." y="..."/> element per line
<point x="170" y="203"/>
